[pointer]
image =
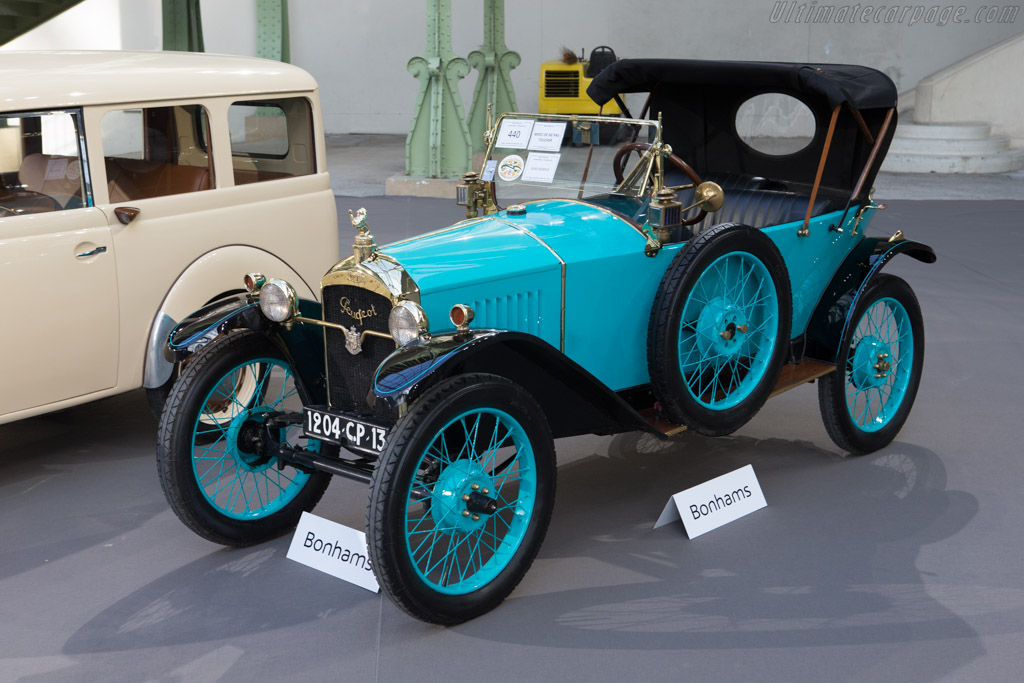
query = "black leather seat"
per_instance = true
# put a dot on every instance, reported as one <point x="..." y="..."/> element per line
<point x="725" y="180"/>
<point x="762" y="208"/>
<point x="742" y="181"/>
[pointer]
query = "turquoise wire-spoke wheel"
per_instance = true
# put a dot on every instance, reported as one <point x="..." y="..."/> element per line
<point x="866" y="401"/>
<point x="720" y="329"/>
<point x="212" y="456"/>
<point x="461" y="498"/>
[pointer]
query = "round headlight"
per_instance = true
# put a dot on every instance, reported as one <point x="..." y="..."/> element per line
<point x="278" y="300"/>
<point x="407" y="322"/>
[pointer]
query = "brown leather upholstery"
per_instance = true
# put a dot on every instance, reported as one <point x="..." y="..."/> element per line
<point x="246" y="176"/>
<point x="55" y="175"/>
<point x="131" y="179"/>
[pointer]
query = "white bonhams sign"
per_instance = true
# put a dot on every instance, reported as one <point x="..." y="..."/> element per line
<point x="332" y="548"/>
<point x="716" y="502"/>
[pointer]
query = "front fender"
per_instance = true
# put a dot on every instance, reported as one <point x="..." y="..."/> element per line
<point x="574" y="401"/>
<point x="302" y="344"/>
<point x="835" y="307"/>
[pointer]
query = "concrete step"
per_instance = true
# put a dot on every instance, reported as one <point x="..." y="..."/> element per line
<point x="942" y="131"/>
<point x="957" y="146"/>
<point x="1002" y="162"/>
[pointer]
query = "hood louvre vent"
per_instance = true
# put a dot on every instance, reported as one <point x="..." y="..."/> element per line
<point x="518" y="312"/>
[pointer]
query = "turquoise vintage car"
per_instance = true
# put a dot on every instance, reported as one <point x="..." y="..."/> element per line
<point x="674" y="278"/>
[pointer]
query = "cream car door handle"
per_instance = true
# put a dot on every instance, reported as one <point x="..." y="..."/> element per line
<point x="87" y="254"/>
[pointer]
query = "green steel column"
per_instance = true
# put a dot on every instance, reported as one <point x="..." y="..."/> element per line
<point x="494" y="61"/>
<point x="183" y="27"/>
<point x="438" y="145"/>
<point x="272" y="30"/>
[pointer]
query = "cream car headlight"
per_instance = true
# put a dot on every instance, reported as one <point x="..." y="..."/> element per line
<point x="407" y="322"/>
<point x="278" y="300"/>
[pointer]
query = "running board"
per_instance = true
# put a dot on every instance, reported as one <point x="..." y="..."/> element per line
<point x="791" y="376"/>
<point x="666" y="428"/>
<point x="801" y="372"/>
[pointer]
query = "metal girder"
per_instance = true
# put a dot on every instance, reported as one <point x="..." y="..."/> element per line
<point x="438" y="144"/>
<point x="183" y="26"/>
<point x="272" y="30"/>
<point x="494" y="61"/>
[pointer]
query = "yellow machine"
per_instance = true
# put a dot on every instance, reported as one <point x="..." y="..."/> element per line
<point x="563" y="83"/>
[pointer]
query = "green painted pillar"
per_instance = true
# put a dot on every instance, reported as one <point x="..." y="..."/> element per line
<point x="494" y="61"/>
<point x="272" y="30"/>
<point x="183" y="27"/>
<point x="438" y="145"/>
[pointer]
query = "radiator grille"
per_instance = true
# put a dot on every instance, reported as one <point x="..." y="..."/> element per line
<point x="518" y="312"/>
<point x="562" y="84"/>
<point x="349" y="376"/>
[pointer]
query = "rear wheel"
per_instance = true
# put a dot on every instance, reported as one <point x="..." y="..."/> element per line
<point x="865" y="403"/>
<point x="719" y="329"/>
<point x="460" y="500"/>
<point x="211" y="450"/>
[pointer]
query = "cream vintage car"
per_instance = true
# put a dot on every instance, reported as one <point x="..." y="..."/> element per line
<point x="134" y="188"/>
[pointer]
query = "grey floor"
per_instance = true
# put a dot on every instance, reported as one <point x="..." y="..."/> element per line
<point x="901" y="565"/>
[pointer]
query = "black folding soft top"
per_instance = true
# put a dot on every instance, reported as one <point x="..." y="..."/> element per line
<point x="698" y="101"/>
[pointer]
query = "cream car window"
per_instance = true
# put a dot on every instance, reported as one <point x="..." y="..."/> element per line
<point x="271" y="139"/>
<point x="156" y="151"/>
<point x="40" y="163"/>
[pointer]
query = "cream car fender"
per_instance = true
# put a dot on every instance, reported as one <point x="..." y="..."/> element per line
<point x="215" y="273"/>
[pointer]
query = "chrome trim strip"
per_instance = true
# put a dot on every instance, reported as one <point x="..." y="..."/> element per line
<point x="342" y="328"/>
<point x="561" y="320"/>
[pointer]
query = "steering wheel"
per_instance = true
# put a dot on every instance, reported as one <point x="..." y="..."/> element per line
<point x="37" y="202"/>
<point x="619" y="166"/>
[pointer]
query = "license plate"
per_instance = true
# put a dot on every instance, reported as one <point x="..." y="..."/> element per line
<point x="344" y="430"/>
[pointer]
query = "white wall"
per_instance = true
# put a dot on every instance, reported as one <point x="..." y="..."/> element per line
<point x="964" y="92"/>
<point x="358" y="49"/>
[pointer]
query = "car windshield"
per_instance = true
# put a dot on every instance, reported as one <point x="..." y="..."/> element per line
<point x="551" y="156"/>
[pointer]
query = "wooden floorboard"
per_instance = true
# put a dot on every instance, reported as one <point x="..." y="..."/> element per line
<point x="795" y="374"/>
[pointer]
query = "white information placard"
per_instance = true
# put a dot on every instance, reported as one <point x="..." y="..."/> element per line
<point x="547" y="136"/>
<point x="541" y="167"/>
<point x="716" y="502"/>
<point x="56" y="169"/>
<point x="334" y="549"/>
<point x="514" y="133"/>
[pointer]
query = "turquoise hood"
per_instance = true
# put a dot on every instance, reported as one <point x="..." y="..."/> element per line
<point x="528" y="272"/>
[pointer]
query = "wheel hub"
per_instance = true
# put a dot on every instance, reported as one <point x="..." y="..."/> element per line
<point x="462" y="501"/>
<point x="721" y="329"/>
<point x="245" y="440"/>
<point x="872" y="363"/>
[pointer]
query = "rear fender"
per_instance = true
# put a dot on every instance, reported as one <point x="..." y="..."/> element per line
<point x="835" y="307"/>
<point x="574" y="401"/>
<point x="302" y="344"/>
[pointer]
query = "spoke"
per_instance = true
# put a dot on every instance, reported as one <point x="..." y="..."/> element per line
<point x="427" y="535"/>
<point x="469" y="444"/>
<point x="415" y="529"/>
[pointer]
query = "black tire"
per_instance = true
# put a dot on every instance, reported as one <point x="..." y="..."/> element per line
<point x="215" y="485"/>
<point x="865" y="403"/>
<point x="156" y="397"/>
<point x="715" y="343"/>
<point x="418" y="465"/>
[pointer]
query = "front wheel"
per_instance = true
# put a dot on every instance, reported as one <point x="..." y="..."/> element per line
<point x="866" y="401"/>
<point x="460" y="500"/>
<point x="212" y="446"/>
